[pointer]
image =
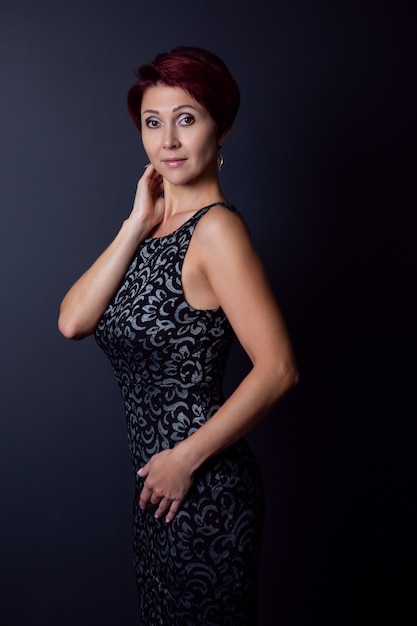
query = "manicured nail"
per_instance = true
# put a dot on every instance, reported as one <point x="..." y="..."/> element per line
<point x="140" y="472"/>
<point x="167" y="520"/>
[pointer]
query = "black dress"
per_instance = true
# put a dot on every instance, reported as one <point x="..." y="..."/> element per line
<point x="169" y="360"/>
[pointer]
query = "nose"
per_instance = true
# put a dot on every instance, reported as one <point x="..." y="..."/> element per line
<point x="170" y="139"/>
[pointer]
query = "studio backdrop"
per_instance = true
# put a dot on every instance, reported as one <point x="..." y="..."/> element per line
<point x="319" y="164"/>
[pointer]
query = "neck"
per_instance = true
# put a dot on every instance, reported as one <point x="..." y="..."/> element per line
<point x="190" y="198"/>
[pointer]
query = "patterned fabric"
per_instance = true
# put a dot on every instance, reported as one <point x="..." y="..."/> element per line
<point x="169" y="360"/>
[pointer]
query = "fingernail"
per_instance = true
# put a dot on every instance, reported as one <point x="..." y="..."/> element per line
<point x="140" y="472"/>
<point x="167" y="520"/>
<point x="156" y="516"/>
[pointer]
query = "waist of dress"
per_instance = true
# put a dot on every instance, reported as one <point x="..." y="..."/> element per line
<point x="162" y="380"/>
<point x="152" y="387"/>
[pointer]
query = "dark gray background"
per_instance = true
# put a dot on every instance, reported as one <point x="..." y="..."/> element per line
<point x="320" y="164"/>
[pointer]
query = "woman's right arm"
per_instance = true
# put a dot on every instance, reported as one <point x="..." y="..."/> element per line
<point x="86" y="301"/>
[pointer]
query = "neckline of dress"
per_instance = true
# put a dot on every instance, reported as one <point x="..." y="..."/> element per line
<point x="204" y="208"/>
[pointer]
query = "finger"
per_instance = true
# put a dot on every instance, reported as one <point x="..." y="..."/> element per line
<point x="162" y="508"/>
<point x="143" y="471"/>
<point x="173" y="510"/>
<point x="145" y="497"/>
<point x="150" y="170"/>
<point x="155" y="499"/>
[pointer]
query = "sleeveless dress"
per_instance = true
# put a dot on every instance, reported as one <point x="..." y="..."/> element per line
<point x="169" y="360"/>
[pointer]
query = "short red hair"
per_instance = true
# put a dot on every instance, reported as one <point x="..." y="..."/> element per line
<point x="200" y="73"/>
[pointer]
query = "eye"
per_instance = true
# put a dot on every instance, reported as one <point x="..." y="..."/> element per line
<point x="186" y="120"/>
<point x="152" y="122"/>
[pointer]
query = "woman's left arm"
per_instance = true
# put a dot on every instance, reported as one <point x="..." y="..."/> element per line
<point x="238" y="279"/>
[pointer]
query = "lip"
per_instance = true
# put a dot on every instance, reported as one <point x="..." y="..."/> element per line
<point x="174" y="162"/>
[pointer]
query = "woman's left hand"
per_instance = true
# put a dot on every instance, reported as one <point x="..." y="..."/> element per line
<point x="167" y="482"/>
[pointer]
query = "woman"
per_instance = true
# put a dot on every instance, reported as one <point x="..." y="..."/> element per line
<point x="164" y="299"/>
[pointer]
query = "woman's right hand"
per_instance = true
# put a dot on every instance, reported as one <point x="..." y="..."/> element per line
<point x="88" y="298"/>
<point x="149" y="204"/>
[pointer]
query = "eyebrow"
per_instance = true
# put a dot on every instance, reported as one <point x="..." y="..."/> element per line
<point x="174" y="110"/>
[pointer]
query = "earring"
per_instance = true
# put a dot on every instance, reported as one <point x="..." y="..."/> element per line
<point x="220" y="161"/>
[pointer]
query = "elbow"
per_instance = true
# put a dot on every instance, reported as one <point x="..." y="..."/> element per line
<point x="69" y="328"/>
<point x="286" y="378"/>
<point x="294" y="377"/>
<point x="290" y="378"/>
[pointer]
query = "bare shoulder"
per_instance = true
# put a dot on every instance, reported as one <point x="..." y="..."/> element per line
<point x="220" y="227"/>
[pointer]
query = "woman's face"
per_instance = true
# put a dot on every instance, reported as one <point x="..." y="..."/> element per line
<point x="178" y="134"/>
